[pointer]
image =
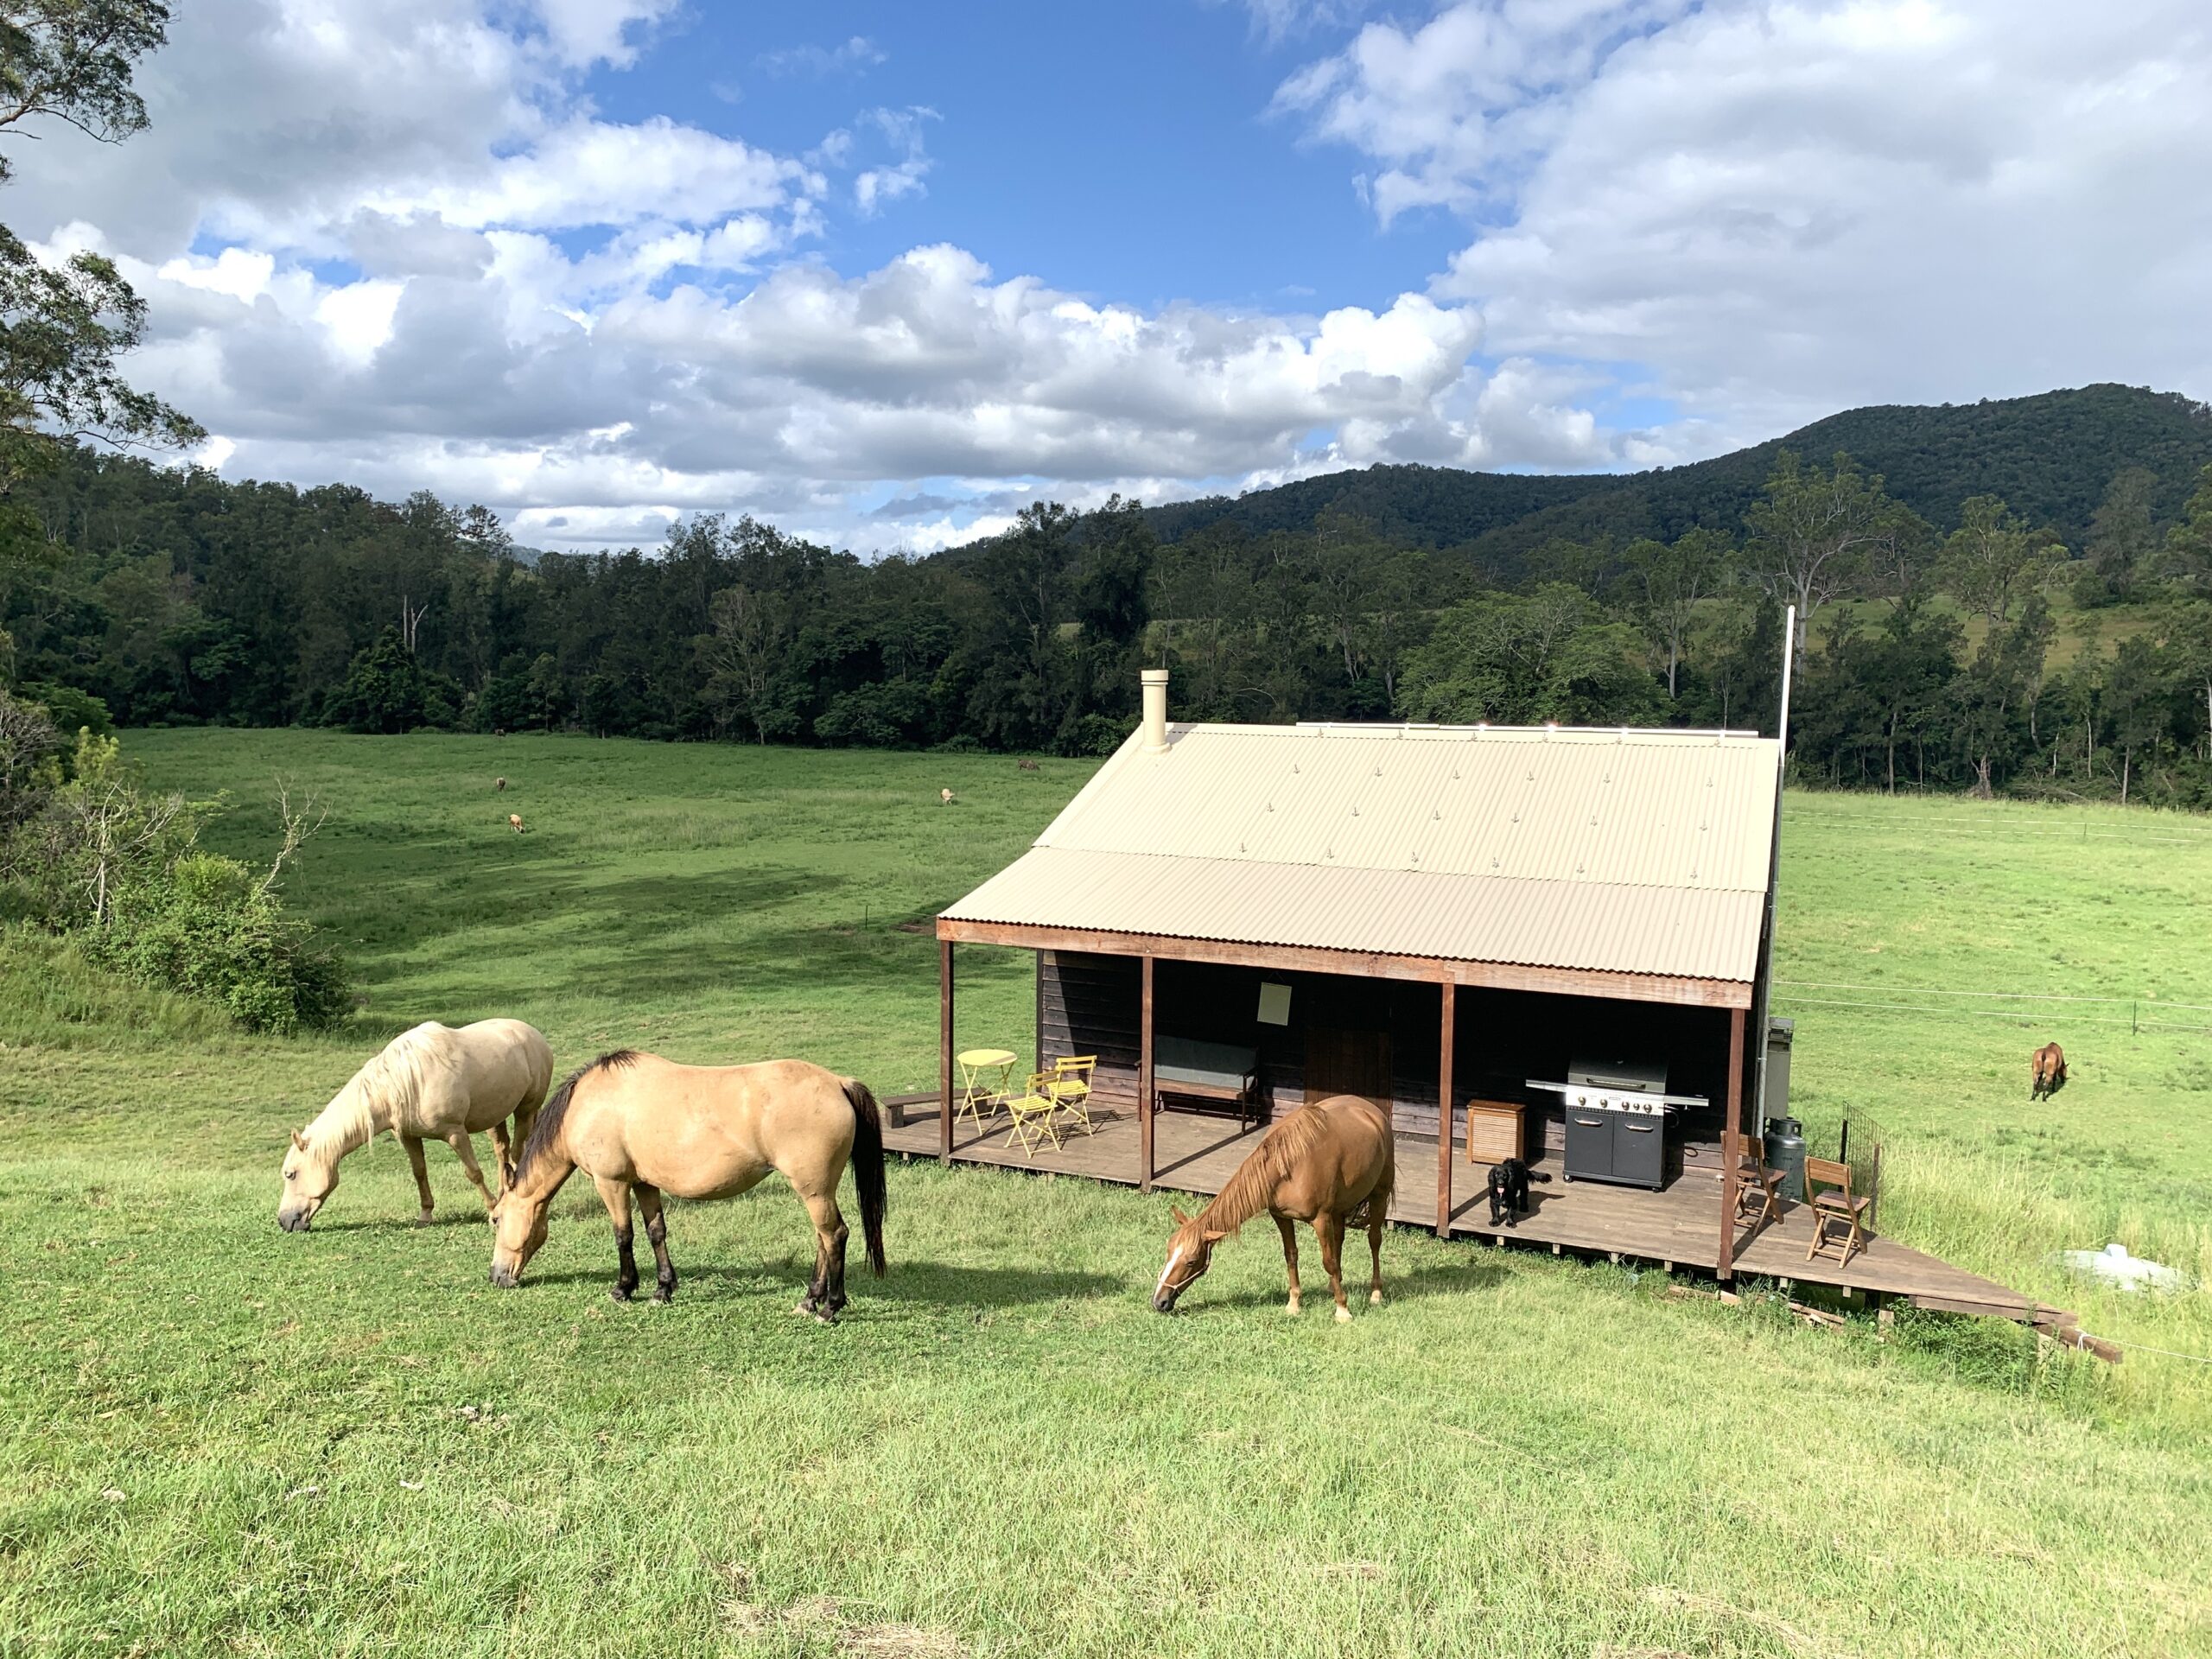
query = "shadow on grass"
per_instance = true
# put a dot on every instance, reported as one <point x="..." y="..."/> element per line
<point x="937" y="1283"/>
<point x="441" y="1219"/>
<point x="1458" y="1280"/>
<point x="615" y="936"/>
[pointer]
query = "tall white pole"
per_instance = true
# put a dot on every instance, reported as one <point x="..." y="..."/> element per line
<point x="1763" y="999"/>
<point x="1789" y="658"/>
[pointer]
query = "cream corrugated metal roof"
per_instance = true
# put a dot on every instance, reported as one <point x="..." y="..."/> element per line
<point x="1630" y="851"/>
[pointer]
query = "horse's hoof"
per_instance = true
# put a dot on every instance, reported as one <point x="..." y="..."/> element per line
<point x="1375" y="1299"/>
<point x="664" y="1296"/>
<point x="620" y="1294"/>
<point x="423" y="1220"/>
<point x="1344" y="1316"/>
<point x="1290" y="1309"/>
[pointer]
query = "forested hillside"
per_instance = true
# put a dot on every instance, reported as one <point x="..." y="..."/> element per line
<point x="2050" y="457"/>
<point x="2003" y="596"/>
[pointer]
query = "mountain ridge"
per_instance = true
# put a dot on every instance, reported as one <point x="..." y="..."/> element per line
<point x="2051" y="455"/>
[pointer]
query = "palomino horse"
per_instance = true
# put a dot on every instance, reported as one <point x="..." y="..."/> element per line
<point x="2049" y="1072"/>
<point x="432" y="1083"/>
<point x="1319" y="1165"/>
<point x="637" y="1122"/>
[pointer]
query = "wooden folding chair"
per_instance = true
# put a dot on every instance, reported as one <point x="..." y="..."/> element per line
<point x="1835" y="1208"/>
<point x="1759" y="1189"/>
<point x="1070" y="1088"/>
<point x="1029" y="1114"/>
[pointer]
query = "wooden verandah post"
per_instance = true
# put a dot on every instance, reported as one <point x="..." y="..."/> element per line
<point x="1732" y="1142"/>
<point x="1445" y="1045"/>
<point x="1144" y="1082"/>
<point x="944" y="1051"/>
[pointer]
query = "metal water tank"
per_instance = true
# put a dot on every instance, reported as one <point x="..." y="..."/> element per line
<point x="1774" y="1091"/>
<point x="1785" y="1153"/>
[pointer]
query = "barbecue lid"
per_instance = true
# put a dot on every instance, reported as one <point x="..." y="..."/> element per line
<point x="1640" y="1076"/>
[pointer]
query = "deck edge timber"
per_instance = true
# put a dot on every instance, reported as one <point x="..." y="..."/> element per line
<point x="1919" y="1280"/>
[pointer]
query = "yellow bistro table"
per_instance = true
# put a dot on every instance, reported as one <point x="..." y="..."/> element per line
<point x="986" y="1074"/>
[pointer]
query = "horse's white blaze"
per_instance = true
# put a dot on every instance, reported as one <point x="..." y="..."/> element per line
<point x="1168" y="1272"/>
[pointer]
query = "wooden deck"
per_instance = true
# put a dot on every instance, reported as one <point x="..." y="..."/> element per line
<point x="1679" y="1226"/>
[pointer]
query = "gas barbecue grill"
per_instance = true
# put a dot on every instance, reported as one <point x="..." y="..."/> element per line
<point x="1617" y="1120"/>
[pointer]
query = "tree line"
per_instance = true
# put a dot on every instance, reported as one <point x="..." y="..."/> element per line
<point x="1991" y="658"/>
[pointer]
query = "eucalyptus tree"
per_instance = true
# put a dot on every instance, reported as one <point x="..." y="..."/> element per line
<point x="1670" y="580"/>
<point x="63" y="327"/>
<point x="1815" y="535"/>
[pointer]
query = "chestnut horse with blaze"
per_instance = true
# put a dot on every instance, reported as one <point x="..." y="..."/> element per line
<point x="638" y="1123"/>
<point x="1321" y="1164"/>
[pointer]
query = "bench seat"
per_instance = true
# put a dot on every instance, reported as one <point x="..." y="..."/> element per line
<point x="1201" y="1071"/>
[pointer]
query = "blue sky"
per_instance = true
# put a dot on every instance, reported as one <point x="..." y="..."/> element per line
<point x="883" y="274"/>
<point x="1125" y="152"/>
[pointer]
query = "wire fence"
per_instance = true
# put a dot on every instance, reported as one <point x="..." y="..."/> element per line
<point x="2013" y="832"/>
<point x="2022" y="1007"/>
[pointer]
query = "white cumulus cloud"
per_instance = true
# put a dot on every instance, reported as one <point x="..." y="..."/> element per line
<point x="1776" y="209"/>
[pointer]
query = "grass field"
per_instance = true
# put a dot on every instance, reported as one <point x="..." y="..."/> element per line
<point x="215" y="1438"/>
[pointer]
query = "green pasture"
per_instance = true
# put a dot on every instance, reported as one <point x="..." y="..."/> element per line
<point x="218" y="1439"/>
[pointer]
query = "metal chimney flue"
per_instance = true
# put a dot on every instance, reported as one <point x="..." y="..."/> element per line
<point x="1155" y="710"/>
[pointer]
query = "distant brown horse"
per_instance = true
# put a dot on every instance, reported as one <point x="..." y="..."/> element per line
<point x="2049" y="1072"/>
<point x="637" y="1122"/>
<point x="1319" y="1165"/>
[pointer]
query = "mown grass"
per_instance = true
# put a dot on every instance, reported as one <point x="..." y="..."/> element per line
<point x="222" y="1439"/>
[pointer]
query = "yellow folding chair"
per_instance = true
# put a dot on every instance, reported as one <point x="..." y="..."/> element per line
<point x="1070" y="1088"/>
<point x="986" y="1072"/>
<point x="1029" y="1116"/>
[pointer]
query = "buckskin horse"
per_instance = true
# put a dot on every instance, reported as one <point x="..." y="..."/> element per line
<point x="638" y="1123"/>
<point x="2049" y="1072"/>
<point x="434" y="1083"/>
<point x="1318" y="1165"/>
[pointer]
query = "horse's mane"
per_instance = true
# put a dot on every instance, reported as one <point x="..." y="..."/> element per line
<point x="1257" y="1178"/>
<point x="391" y="1078"/>
<point x="546" y="1128"/>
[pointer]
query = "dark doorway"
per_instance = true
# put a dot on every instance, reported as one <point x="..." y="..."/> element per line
<point x="1348" y="1063"/>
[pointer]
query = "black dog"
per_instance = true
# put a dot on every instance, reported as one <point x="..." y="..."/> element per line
<point x="1509" y="1191"/>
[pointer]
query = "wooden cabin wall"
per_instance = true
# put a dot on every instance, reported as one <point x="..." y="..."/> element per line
<point x="1089" y="1004"/>
<point x="1508" y="1037"/>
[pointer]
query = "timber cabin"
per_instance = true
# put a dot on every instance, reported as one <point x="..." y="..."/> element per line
<point x="1503" y="936"/>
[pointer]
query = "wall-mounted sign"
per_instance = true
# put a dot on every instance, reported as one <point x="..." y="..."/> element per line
<point x="1274" y="1004"/>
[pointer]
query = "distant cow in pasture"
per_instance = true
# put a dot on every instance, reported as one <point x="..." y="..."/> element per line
<point x="514" y="821"/>
<point x="500" y="783"/>
<point x="2049" y="1072"/>
<point x="1028" y="766"/>
<point x="944" y="797"/>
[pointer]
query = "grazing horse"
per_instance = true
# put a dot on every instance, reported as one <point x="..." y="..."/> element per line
<point x="1319" y="1165"/>
<point x="637" y="1122"/>
<point x="432" y="1083"/>
<point x="500" y="783"/>
<point x="2049" y="1072"/>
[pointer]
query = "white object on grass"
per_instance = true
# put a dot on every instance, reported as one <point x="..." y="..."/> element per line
<point x="2117" y="1267"/>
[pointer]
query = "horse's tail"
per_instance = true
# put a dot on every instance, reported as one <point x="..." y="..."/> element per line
<point x="867" y="1168"/>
